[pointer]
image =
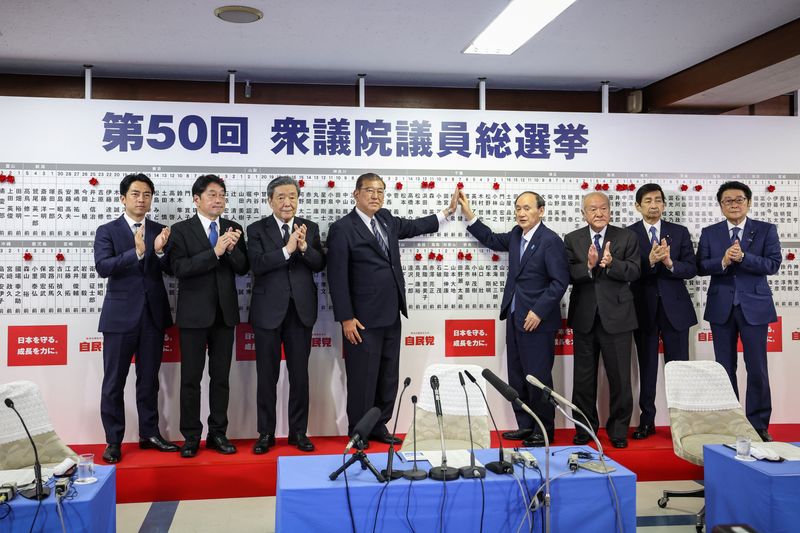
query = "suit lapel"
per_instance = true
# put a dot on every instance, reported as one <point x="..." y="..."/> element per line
<point x="531" y="247"/>
<point x="199" y="233"/>
<point x="125" y="232"/>
<point x="748" y="234"/>
<point x="366" y="234"/>
<point x="273" y="231"/>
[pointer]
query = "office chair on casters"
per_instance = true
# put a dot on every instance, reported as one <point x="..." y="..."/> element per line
<point x="454" y="411"/>
<point x="703" y="409"/>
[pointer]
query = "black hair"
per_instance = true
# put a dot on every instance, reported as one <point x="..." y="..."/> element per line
<point x="204" y="181"/>
<point x="128" y="180"/>
<point x="369" y="176"/>
<point x="539" y="199"/>
<point x="648" y="188"/>
<point x="734" y="186"/>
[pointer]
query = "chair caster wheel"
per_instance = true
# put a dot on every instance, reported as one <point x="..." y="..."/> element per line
<point x="662" y="502"/>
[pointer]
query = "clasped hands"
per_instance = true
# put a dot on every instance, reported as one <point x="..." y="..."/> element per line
<point x="733" y="254"/>
<point x="594" y="258"/>
<point x="158" y="245"/>
<point x="227" y="241"/>
<point x="660" y="254"/>
<point x="297" y="240"/>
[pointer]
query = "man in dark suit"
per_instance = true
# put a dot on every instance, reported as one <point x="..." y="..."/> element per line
<point x="604" y="260"/>
<point x="538" y="276"/>
<point x="739" y="253"/>
<point x="206" y="254"/>
<point x="129" y="251"/>
<point x="284" y="252"/>
<point x="368" y="292"/>
<point x="663" y="305"/>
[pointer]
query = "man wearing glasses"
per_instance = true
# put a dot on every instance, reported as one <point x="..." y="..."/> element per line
<point x="206" y="254"/>
<point x="368" y="292"/>
<point x="739" y="253"/>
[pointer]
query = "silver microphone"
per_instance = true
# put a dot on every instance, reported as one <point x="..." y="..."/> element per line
<point x="547" y="390"/>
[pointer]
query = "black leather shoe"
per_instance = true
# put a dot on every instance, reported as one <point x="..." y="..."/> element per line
<point x="112" y="454"/>
<point x="519" y="434"/>
<point x="220" y="443"/>
<point x="764" y="434"/>
<point x="302" y="442"/>
<point x="619" y="443"/>
<point x="263" y="444"/>
<point x="157" y="442"/>
<point x="386" y="438"/>
<point x="580" y="439"/>
<point x="190" y="447"/>
<point x="536" y="440"/>
<point x="644" y="431"/>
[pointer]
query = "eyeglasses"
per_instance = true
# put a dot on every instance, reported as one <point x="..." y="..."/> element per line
<point x="370" y="191"/>
<point x="739" y="200"/>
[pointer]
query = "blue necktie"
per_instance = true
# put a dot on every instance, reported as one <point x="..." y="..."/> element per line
<point x="213" y="236"/>
<point x="597" y="245"/>
<point x="522" y="245"/>
<point x="379" y="237"/>
<point x="653" y="236"/>
<point x="735" y="234"/>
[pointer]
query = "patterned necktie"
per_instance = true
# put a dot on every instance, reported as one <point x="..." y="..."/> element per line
<point x="136" y="226"/>
<point x="597" y="244"/>
<point x="522" y="245"/>
<point x="213" y="236"/>
<point x="285" y="228"/>
<point x="379" y="237"/>
<point x="735" y="234"/>
<point x="653" y="236"/>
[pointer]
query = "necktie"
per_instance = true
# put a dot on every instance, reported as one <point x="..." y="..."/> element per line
<point x="285" y="228"/>
<point x="213" y="236"/>
<point x="379" y="237"/>
<point x="597" y="244"/>
<point x="735" y="234"/>
<point x="136" y="226"/>
<point x="653" y="236"/>
<point x="522" y="245"/>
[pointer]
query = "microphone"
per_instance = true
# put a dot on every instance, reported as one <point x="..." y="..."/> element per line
<point x="38" y="492"/>
<point x="506" y="390"/>
<point x="443" y="472"/>
<point x="414" y="474"/>
<point x="363" y="428"/>
<point x="549" y="393"/>
<point x="389" y="473"/>
<point x="500" y="466"/>
<point x="470" y="471"/>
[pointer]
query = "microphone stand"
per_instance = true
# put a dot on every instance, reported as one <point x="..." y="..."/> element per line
<point x="539" y="423"/>
<point x="39" y="492"/>
<point x="388" y="472"/>
<point x="362" y="458"/>
<point x="415" y="474"/>
<point x="442" y="472"/>
<point x="471" y="471"/>
<point x="501" y="466"/>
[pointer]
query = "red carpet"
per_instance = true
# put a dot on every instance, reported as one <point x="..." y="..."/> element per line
<point x="148" y="476"/>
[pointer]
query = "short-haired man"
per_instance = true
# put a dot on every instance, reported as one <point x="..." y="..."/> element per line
<point x="739" y="253"/>
<point x="663" y="306"/>
<point x="368" y="292"/>
<point x="207" y="253"/>
<point x="284" y="251"/>
<point x="538" y="276"/>
<point x="129" y="251"/>
<point x="604" y="260"/>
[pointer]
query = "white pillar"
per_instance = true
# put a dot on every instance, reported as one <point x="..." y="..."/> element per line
<point x="362" y="84"/>
<point x="482" y="94"/>
<point x="87" y="82"/>
<point x="604" y="96"/>
<point x="231" y="86"/>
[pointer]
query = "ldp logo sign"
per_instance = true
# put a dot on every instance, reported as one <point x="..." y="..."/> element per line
<point x="37" y="345"/>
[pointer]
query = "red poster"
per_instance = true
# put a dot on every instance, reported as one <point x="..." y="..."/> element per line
<point x="774" y="338"/>
<point x="37" y="345"/>
<point x="464" y="338"/>
<point x="246" y="343"/>
<point x="172" y="346"/>
<point x="564" y="339"/>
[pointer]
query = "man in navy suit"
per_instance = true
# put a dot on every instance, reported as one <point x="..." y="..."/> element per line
<point x="538" y="276"/>
<point x="663" y="305"/>
<point x="284" y="251"/>
<point x="368" y="291"/>
<point x="129" y="251"/>
<point x="206" y="254"/>
<point x="739" y="253"/>
<point x="604" y="260"/>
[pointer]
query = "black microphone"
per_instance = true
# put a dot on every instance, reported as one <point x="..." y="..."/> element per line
<point x="470" y="471"/>
<point x="414" y="474"/>
<point x="38" y="492"/>
<point x="500" y="466"/>
<point x="507" y="391"/>
<point x="389" y="473"/>
<point x="437" y="400"/>
<point x="363" y="428"/>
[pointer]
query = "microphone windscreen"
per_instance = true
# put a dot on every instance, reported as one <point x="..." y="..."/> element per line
<point x="413" y="399"/>
<point x="406" y="382"/>
<point x="9" y="403"/>
<point x="434" y="383"/>
<point x="367" y="422"/>
<point x="502" y="387"/>
<point x="469" y="376"/>
<point x="461" y="378"/>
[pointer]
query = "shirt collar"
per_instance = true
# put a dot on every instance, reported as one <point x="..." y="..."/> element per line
<point x="206" y="222"/>
<point x="602" y="233"/>
<point x="647" y="227"/>
<point x="740" y="226"/>
<point x="131" y="222"/>
<point x="529" y="235"/>
<point x="281" y="222"/>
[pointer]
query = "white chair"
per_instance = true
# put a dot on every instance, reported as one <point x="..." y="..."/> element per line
<point x="15" y="448"/>
<point x="454" y="411"/>
<point x="703" y="409"/>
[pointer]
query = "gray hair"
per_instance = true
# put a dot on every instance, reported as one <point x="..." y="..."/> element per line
<point x="279" y="181"/>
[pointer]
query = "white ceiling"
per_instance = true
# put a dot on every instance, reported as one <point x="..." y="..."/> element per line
<point x="632" y="43"/>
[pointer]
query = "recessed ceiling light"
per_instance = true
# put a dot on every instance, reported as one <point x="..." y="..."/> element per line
<point x="515" y="25"/>
<point x="238" y="14"/>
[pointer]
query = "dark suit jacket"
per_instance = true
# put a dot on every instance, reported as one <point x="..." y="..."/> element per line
<point x="204" y="281"/>
<point x="539" y="279"/>
<point x="364" y="283"/>
<point x="660" y="281"/>
<point x="606" y="292"/>
<point x="762" y="257"/>
<point x="131" y="285"/>
<point x="275" y="279"/>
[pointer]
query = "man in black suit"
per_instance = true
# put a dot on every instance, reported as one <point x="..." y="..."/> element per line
<point x="663" y="305"/>
<point x="368" y="292"/>
<point x="538" y="276"/>
<point x="284" y="252"/>
<point x="129" y="251"/>
<point x="604" y="260"/>
<point x="206" y="253"/>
